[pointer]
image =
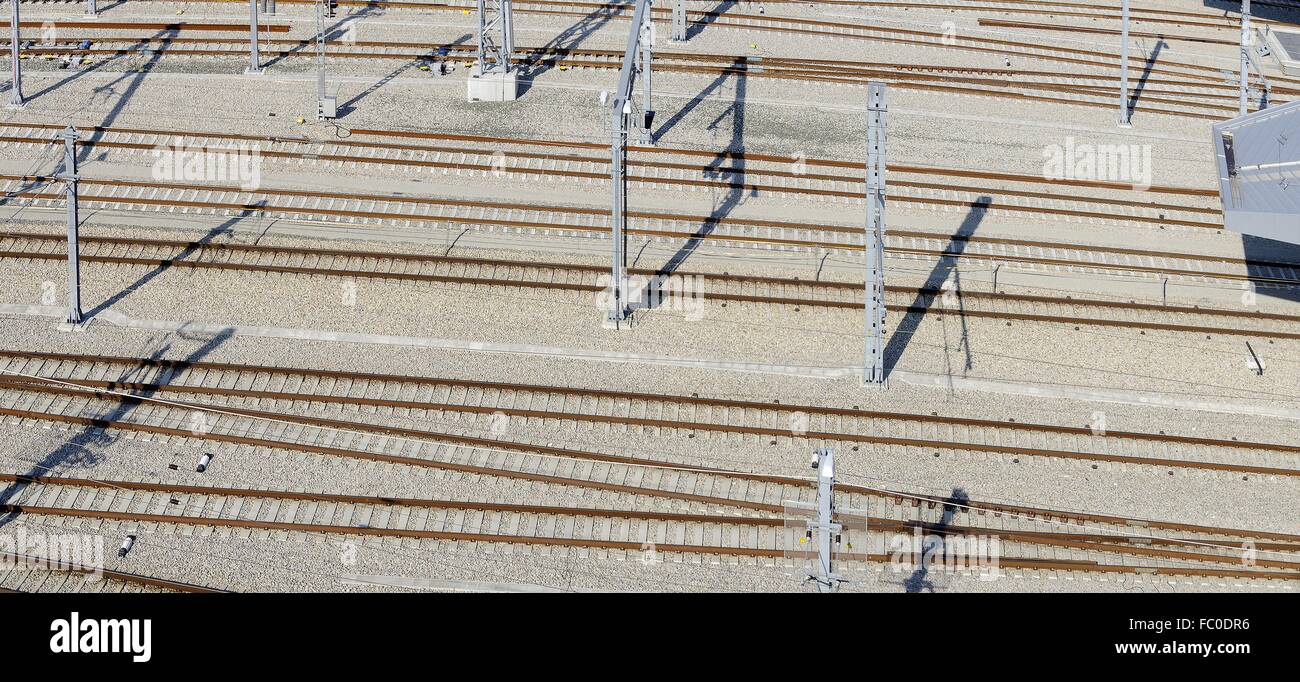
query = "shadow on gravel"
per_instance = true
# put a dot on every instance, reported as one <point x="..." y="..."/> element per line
<point x="350" y="106"/>
<point x="1268" y="259"/>
<point x="1150" y="64"/>
<point x="727" y="168"/>
<point x="79" y="450"/>
<point x="1259" y="10"/>
<point x="133" y="80"/>
<point x="192" y="248"/>
<point x="943" y="269"/>
<point x="738" y="65"/>
<point x="932" y="546"/>
<point x="331" y="33"/>
<point x="544" y="58"/>
<point x="693" y="29"/>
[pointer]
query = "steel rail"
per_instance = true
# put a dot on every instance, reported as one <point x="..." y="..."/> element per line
<point x="776" y="68"/>
<point x="633" y="546"/>
<point x="154" y="26"/>
<point x="133" y="578"/>
<point x="843" y="288"/>
<point x="311" y="151"/>
<point x="715" y="158"/>
<point x="1131" y="546"/>
<point x="768" y="22"/>
<point x="263" y="208"/>
<point x="694" y="399"/>
<point x="111" y="391"/>
<point x="898" y="498"/>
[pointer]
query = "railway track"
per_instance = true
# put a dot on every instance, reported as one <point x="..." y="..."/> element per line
<point x="728" y="514"/>
<point x="1106" y="30"/>
<point x="411" y="211"/>
<point x="1139" y="15"/>
<point x="471" y="404"/>
<point x="170" y="27"/>
<point x="1130" y="546"/>
<point x="752" y="174"/>
<point x="28" y="573"/>
<point x="581" y="281"/>
<point x="749" y="492"/>
<point x="989" y="44"/>
<point x="993" y="43"/>
<point x="732" y="17"/>
<point x="771" y="537"/>
<point x="1065" y="88"/>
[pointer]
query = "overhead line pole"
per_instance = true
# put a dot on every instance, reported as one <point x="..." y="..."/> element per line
<point x="826" y="579"/>
<point x="647" y="57"/>
<point x="494" y="78"/>
<point x="70" y="192"/>
<point x="326" y="107"/>
<point x="1125" y="115"/>
<point x="254" y="62"/>
<point x="496" y="35"/>
<point x="618" y="234"/>
<point x="873" y="360"/>
<point x="620" y="111"/>
<point x="1244" y="95"/>
<point x="15" y="41"/>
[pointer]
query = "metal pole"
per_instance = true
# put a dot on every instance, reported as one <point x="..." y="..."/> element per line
<point x="1265" y="88"/>
<point x="495" y="52"/>
<point x="494" y="78"/>
<point x="873" y="361"/>
<point x="16" y="84"/>
<point x="508" y="32"/>
<point x="320" y="56"/>
<point x="326" y="108"/>
<point x="70" y="186"/>
<point x="1125" y="115"/>
<point x="618" y="175"/>
<point x="91" y="8"/>
<point x="679" y="20"/>
<point x="826" y="579"/>
<point x="1243" y="97"/>
<point x="647" y="56"/>
<point x="483" y="38"/>
<point x="620" y="110"/>
<point x="254" y="63"/>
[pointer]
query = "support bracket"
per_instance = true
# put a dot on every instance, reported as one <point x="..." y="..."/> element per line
<point x="680" y="32"/>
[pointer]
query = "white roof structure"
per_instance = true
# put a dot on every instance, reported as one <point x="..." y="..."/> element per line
<point x="1258" y="157"/>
